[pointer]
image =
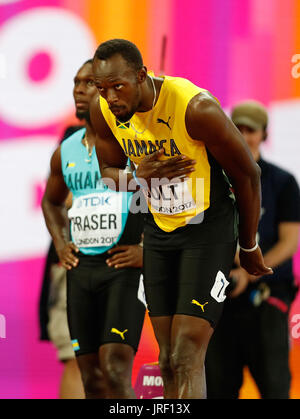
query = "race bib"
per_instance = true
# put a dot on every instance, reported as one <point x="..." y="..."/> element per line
<point x="96" y="219"/>
<point x="219" y="287"/>
<point x="141" y="292"/>
<point x="170" y="199"/>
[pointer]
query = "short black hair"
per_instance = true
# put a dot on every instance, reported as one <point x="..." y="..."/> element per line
<point x="126" y="49"/>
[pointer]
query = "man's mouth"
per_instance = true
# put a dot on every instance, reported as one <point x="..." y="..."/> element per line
<point x="116" y="110"/>
<point x="81" y="104"/>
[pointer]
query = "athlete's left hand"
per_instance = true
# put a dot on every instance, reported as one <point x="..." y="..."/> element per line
<point x="126" y="256"/>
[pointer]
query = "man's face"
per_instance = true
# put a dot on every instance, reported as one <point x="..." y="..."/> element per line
<point x="119" y="84"/>
<point x="83" y="91"/>
<point x="252" y="137"/>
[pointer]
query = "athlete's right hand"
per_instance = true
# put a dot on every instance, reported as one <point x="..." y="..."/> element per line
<point x="151" y="167"/>
<point x="66" y="256"/>
<point x="254" y="263"/>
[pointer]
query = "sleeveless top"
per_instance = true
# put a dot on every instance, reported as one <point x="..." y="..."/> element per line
<point x="172" y="205"/>
<point x="98" y="215"/>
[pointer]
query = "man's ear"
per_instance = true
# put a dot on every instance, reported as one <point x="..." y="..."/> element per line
<point x="142" y="75"/>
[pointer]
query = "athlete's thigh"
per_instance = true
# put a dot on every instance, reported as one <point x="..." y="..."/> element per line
<point x="123" y="317"/>
<point x="161" y="274"/>
<point x="162" y="326"/>
<point x="203" y="278"/>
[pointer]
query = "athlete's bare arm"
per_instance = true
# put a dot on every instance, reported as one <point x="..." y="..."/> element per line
<point x="55" y="213"/>
<point x="206" y="121"/>
<point x="108" y="149"/>
<point x="112" y="159"/>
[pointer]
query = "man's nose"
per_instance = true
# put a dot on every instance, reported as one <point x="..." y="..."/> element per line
<point x="111" y="96"/>
<point x="79" y="88"/>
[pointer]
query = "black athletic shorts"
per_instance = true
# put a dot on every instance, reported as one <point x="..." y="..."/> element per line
<point x="186" y="271"/>
<point x="103" y="305"/>
<point x="188" y="281"/>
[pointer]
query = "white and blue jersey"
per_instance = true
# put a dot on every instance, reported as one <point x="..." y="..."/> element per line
<point x="98" y="214"/>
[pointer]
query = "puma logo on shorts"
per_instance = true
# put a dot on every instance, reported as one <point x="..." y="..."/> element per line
<point x="114" y="330"/>
<point x="198" y="304"/>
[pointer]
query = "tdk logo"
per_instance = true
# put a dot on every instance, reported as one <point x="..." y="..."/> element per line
<point x="152" y="381"/>
<point x="93" y="201"/>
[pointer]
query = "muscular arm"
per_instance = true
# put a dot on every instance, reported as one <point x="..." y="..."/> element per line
<point x="206" y="121"/>
<point x="55" y="211"/>
<point x="111" y="157"/>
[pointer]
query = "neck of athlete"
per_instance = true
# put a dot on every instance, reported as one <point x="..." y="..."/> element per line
<point x="148" y="94"/>
<point x="89" y="135"/>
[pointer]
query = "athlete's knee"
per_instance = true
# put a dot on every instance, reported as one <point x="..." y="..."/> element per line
<point x="91" y="375"/>
<point x="188" y="355"/>
<point x="164" y="361"/>
<point x="117" y="368"/>
<point x="93" y="383"/>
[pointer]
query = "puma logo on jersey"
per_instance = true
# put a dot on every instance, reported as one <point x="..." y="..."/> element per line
<point x="70" y="164"/>
<point x="161" y="121"/>
<point x="114" y="330"/>
<point x="200" y="305"/>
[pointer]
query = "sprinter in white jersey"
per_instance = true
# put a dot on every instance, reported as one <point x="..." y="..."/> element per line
<point x="98" y="244"/>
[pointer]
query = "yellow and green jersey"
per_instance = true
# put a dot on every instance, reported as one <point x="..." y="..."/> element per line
<point x="164" y="126"/>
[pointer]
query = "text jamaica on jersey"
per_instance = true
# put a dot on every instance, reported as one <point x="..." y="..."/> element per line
<point x="145" y="147"/>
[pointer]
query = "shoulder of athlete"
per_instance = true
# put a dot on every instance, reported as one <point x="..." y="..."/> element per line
<point x="56" y="189"/>
<point x="55" y="162"/>
<point x="204" y="117"/>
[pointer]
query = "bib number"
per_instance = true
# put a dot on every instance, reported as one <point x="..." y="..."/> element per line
<point x="219" y="287"/>
<point x="170" y="199"/>
<point x="96" y="219"/>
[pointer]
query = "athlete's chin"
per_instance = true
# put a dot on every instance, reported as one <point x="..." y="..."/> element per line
<point x="83" y="115"/>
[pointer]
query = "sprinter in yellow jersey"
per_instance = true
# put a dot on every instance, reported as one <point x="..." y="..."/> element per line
<point x="182" y="144"/>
